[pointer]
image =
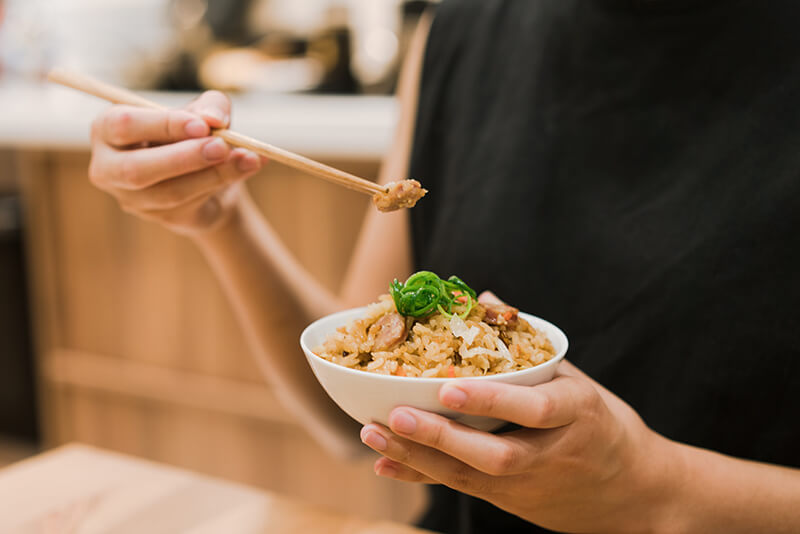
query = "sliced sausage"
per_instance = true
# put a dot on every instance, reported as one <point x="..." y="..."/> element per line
<point x="500" y="314"/>
<point x="390" y="330"/>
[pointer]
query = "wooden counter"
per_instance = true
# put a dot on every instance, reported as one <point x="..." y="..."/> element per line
<point x="81" y="490"/>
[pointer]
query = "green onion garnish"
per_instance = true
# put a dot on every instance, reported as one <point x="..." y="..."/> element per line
<point x="424" y="292"/>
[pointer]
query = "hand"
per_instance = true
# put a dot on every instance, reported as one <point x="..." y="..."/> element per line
<point x="583" y="462"/>
<point x="164" y="166"/>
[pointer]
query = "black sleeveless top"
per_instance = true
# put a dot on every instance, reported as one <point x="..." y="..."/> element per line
<point x="629" y="170"/>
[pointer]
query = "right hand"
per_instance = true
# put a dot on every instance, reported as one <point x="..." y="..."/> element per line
<point x="164" y="166"/>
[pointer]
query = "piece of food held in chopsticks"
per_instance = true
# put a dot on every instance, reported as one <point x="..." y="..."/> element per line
<point x="429" y="327"/>
<point x="393" y="196"/>
<point x="397" y="195"/>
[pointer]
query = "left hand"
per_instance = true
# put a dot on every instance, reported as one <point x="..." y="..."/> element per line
<point x="584" y="461"/>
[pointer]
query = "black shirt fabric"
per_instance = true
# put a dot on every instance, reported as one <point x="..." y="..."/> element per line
<point x="629" y="170"/>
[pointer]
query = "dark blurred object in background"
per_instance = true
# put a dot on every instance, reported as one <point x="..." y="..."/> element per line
<point x="258" y="45"/>
<point x="201" y="26"/>
<point x="329" y="46"/>
<point x="227" y="20"/>
<point x="269" y="46"/>
<point x="17" y="394"/>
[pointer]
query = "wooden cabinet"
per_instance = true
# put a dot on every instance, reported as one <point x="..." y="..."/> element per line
<point x="138" y="351"/>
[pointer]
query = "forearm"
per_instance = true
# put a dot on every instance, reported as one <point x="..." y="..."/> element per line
<point x="247" y="249"/>
<point x="718" y="493"/>
<point x="703" y="491"/>
<point x="274" y="298"/>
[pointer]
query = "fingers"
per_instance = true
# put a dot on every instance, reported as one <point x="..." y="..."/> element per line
<point x="214" y="107"/>
<point x="177" y="191"/>
<point x="433" y="464"/>
<point x="123" y="126"/>
<point x="491" y="454"/>
<point x="549" y="405"/>
<point x="141" y="168"/>
<point x="389" y="468"/>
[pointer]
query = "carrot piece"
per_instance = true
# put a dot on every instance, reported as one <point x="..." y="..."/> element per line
<point x="451" y="371"/>
<point x="400" y="371"/>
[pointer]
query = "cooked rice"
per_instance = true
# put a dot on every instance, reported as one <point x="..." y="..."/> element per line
<point x="438" y="346"/>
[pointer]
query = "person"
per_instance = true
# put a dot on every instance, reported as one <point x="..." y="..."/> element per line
<point x="627" y="169"/>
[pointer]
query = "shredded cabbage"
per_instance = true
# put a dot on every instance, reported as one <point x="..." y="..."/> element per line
<point x="503" y="350"/>
<point x="460" y="329"/>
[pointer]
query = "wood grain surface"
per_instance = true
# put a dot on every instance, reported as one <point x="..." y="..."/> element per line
<point x="77" y="489"/>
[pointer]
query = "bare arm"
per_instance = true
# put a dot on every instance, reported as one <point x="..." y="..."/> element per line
<point x="275" y="297"/>
<point x="712" y="492"/>
<point x="192" y="184"/>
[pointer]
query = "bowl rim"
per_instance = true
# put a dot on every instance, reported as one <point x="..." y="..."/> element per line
<point x="554" y="361"/>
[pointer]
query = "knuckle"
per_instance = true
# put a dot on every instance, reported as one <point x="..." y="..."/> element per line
<point x="461" y="478"/>
<point x="590" y="394"/>
<point x="465" y="479"/>
<point x="174" y="125"/>
<point x="546" y="407"/>
<point x="168" y="127"/>
<point x="436" y="436"/>
<point x="491" y="401"/>
<point x="503" y="461"/>
<point x="404" y="455"/>
<point x="118" y="127"/>
<point x="128" y="173"/>
<point x="582" y="391"/>
<point x="590" y="401"/>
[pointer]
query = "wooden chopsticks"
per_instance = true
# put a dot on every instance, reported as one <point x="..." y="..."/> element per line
<point x="118" y="95"/>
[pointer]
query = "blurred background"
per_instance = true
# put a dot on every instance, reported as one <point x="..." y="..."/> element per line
<point x="113" y="332"/>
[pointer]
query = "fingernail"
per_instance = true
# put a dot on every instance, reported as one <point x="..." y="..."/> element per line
<point x="386" y="471"/>
<point x="453" y="396"/>
<point x="214" y="113"/>
<point x="248" y="162"/>
<point x="215" y="150"/>
<point x="403" y="422"/>
<point x="374" y="440"/>
<point x="196" y="128"/>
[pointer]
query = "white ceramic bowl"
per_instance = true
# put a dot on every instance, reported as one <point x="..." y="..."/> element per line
<point x="369" y="397"/>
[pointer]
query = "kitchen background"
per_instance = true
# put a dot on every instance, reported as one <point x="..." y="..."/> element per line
<point x="113" y="331"/>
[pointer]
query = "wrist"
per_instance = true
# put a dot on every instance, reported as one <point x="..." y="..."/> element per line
<point x="657" y="497"/>
<point x="669" y="487"/>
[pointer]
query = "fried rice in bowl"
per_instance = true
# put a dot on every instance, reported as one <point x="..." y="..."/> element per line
<point x="372" y="359"/>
